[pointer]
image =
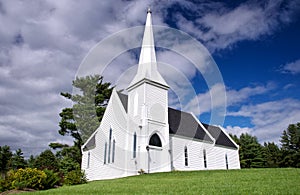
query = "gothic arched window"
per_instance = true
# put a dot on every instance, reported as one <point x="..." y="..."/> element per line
<point x="155" y="140"/>
<point x="186" y="160"/>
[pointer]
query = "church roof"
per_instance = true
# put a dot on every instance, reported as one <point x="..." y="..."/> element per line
<point x="219" y="135"/>
<point x="124" y="100"/>
<point x="184" y="124"/>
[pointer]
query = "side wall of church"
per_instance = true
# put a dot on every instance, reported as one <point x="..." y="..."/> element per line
<point x="189" y="154"/>
<point x="106" y="160"/>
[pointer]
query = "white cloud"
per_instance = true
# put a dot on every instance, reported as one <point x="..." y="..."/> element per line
<point x="292" y="68"/>
<point x="223" y="27"/>
<point x="270" y="118"/>
<point x="44" y="42"/>
<point x="236" y="130"/>
<point x="233" y="97"/>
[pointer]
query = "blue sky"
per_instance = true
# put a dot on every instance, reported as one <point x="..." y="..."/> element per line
<point x="254" y="44"/>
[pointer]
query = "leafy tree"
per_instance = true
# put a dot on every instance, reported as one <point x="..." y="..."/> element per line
<point x="5" y="157"/>
<point x="290" y="146"/>
<point x="89" y="105"/>
<point x="17" y="160"/>
<point x="46" y="160"/>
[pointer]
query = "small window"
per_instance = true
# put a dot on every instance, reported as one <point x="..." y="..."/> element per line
<point x="226" y="161"/>
<point x="105" y="149"/>
<point x="186" y="160"/>
<point x="113" y="151"/>
<point x="88" y="161"/>
<point x="155" y="141"/>
<point x="134" y="145"/>
<point x="109" y="144"/>
<point x="204" y="158"/>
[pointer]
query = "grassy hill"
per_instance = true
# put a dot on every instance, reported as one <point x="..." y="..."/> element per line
<point x="245" y="181"/>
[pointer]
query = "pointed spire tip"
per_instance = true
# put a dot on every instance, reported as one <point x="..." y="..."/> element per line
<point x="149" y="10"/>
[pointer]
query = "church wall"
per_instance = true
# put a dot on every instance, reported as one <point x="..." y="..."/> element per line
<point x="114" y="118"/>
<point x="214" y="155"/>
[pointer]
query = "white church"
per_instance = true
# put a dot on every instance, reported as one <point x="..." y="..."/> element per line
<point x="139" y="133"/>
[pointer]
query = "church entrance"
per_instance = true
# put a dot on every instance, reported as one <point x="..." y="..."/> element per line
<point x="154" y="153"/>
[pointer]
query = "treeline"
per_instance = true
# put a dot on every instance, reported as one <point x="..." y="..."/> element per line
<point x="255" y="155"/>
<point x="44" y="171"/>
<point x="48" y="170"/>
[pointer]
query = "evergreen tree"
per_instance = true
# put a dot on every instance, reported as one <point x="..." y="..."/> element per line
<point x="5" y="158"/>
<point x="271" y="154"/>
<point x="31" y="161"/>
<point x="290" y="146"/>
<point x="17" y="160"/>
<point x="251" y="152"/>
<point x="89" y="105"/>
<point x="47" y="160"/>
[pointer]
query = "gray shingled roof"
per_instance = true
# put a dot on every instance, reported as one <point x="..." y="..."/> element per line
<point x="219" y="135"/>
<point x="124" y="99"/>
<point x="184" y="124"/>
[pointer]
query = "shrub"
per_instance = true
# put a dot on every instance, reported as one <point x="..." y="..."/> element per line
<point x="5" y="184"/>
<point x="51" y="180"/>
<point x="75" y="177"/>
<point x="27" y="178"/>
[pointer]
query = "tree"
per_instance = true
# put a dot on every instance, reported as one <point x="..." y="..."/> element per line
<point x="17" y="160"/>
<point x="31" y="161"/>
<point x="89" y="105"/>
<point x="5" y="158"/>
<point x="46" y="160"/>
<point x="271" y="154"/>
<point x="251" y="152"/>
<point x="290" y="146"/>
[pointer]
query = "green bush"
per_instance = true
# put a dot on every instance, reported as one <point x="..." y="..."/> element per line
<point x="75" y="177"/>
<point x="51" y="180"/>
<point x="5" y="184"/>
<point x="27" y="178"/>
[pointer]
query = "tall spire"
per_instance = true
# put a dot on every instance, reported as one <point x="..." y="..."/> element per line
<point x="147" y="68"/>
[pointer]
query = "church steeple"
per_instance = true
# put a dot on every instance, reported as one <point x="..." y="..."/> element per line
<point x="147" y="68"/>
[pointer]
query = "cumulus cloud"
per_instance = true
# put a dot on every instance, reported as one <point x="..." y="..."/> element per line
<point x="43" y="43"/>
<point x="223" y="27"/>
<point x="269" y="118"/>
<point x="233" y="97"/>
<point x="236" y="130"/>
<point x="291" y="68"/>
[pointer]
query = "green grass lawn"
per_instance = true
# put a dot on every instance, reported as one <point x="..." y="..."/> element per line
<point x="245" y="181"/>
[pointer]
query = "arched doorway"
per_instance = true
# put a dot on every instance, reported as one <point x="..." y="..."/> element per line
<point x="154" y="153"/>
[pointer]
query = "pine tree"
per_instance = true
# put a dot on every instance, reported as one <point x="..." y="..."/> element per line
<point x="17" y="160"/>
<point x="84" y="117"/>
<point x="5" y="158"/>
<point x="290" y="146"/>
<point x="251" y="152"/>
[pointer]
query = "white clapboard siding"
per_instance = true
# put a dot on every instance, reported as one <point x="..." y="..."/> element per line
<point x="114" y="118"/>
<point x="215" y="156"/>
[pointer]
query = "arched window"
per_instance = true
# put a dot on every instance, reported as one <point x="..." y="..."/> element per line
<point x="155" y="140"/>
<point x="109" y="144"/>
<point x="204" y="158"/>
<point x="226" y="161"/>
<point x="88" y="160"/>
<point x="105" y="148"/>
<point x="186" y="160"/>
<point x="134" y="145"/>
